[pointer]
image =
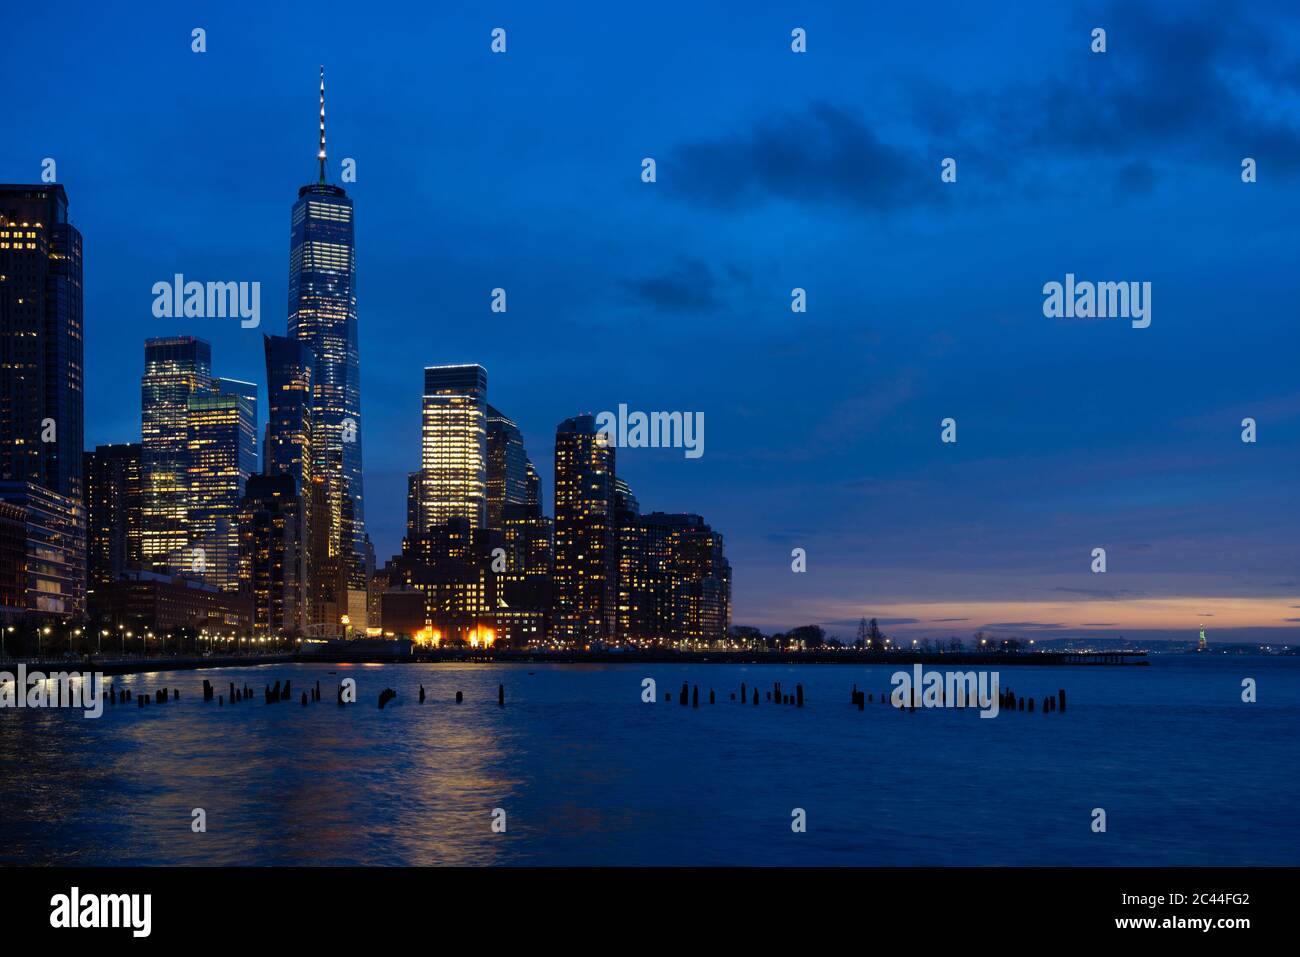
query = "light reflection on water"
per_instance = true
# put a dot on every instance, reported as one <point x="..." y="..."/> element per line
<point x="588" y="774"/>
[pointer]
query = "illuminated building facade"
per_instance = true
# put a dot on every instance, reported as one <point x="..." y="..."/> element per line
<point x="54" y="563"/>
<point x="450" y="568"/>
<point x="41" y="342"/>
<point x="453" y="462"/>
<point x="271" y="555"/>
<point x="323" y="317"/>
<point x="175" y="369"/>
<point x="222" y="455"/>
<point x="113" y="512"/>
<point x="584" y="585"/>
<point x="674" y="583"/>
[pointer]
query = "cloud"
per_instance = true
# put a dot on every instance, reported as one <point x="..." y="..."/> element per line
<point x="688" y="286"/>
<point x="1212" y="85"/>
<point x="1033" y="625"/>
<point x="1101" y="592"/>
<point x="826" y="156"/>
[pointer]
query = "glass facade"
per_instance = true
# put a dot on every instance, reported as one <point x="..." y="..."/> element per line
<point x="323" y="317"/>
<point x="453" y="474"/>
<point x="584" y="587"/>
<point x="175" y="368"/>
<point x="222" y="442"/>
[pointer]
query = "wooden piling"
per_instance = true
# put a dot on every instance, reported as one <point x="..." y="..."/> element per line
<point x="685" y="693"/>
<point x="460" y="696"/>
<point x="421" y="694"/>
<point x="755" y="697"/>
<point x="798" y="695"/>
<point x="695" y="696"/>
<point x="501" y="695"/>
<point x="304" y="699"/>
<point x="711" y="699"/>
<point x="1031" y="706"/>
<point x="221" y="701"/>
<point x="1020" y="704"/>
<point x="385" y="696"/>
<point x="1062" y="695"/>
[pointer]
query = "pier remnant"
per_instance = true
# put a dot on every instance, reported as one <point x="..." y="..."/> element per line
<point x="460" y="696"/>
<point x="1062" y="694"/>
<point x="385" y="696"/>
<point x="798" y="695"/>
<point x="501" y="695"/>
<point x="421" y="694"/>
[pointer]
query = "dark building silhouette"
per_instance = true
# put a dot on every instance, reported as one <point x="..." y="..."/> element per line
<point x="507" y="467"/>
<point x="41" y="340"/>
<point x="145" y="600"/>
<point x="114" y="503"/>
<point x="271" y="555"/>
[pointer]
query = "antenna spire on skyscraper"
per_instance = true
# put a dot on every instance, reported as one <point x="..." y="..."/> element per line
<point x="321" y="155"/>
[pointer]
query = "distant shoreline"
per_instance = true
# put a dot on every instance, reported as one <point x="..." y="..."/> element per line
<point x="948" y="660"/>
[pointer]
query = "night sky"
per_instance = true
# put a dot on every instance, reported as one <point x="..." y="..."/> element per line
<point x="775" y="170"/>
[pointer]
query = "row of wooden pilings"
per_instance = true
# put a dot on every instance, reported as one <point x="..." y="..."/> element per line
<point x="276" y="693"/>
<point x="115" y="697"/>
<point x="691" y="695"/>
<point x="1007" y="701"/>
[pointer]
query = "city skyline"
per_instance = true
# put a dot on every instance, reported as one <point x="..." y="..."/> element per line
<point x="1072" y="436"/>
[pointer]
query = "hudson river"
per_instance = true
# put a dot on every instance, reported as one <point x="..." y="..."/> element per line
<point x="587" y="773"/>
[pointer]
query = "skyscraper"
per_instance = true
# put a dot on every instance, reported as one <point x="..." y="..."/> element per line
<point x="586" y="562"/>
<point x="674" y="582"/>
<point x="222" y="443"/>
<point x="507" y="467"/>
<point x="323" y="317"/>
<point x="289" y="367"/>
<point x="41" y="350"/>
<point x="113" y="508"/>
<point x="270" y="554"/>
<point x="453" y="482"/>
<point x="175" y="368"/>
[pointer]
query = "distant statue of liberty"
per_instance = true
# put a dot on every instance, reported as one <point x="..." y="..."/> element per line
<point x="1200" y="645"/>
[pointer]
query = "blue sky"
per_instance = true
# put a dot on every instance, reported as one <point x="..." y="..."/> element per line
<point x="775" y="170"/>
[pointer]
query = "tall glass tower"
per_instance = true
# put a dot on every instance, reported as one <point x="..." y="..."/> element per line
<point x="323" y="317"/>
<point x="175" y="368"/>
<point x="453" y="483"/>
